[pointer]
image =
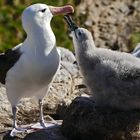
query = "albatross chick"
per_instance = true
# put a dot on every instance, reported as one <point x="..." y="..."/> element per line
<point x="112" y="77"/>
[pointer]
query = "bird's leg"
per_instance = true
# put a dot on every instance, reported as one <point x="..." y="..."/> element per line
<point x="41" y="117"/>
<point x="15" y="128"/>
<point x="42" y="124"/>
<point x="14" y="111"/>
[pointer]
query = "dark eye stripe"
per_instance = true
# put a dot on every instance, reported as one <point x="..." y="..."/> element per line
<point x="79" y="33"/>
<point x="43" y="10"/>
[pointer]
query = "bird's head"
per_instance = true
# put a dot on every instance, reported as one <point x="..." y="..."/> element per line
<point x="82" y="35"/>
<point x="41" y="14"/>
<point x="82" y="38"/>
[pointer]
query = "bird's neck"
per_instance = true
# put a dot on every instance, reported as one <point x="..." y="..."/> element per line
<point x="42" y="39"/>
<point x="84" y="49"/>
<point x="86" y="54"/>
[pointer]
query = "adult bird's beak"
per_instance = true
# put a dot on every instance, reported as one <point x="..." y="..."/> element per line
<point x="61" y="10"/>
<point x="72" y="26"/>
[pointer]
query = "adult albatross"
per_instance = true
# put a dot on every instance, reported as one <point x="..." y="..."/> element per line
<point x="28" y="69"/>
<point x="112" y="77"/>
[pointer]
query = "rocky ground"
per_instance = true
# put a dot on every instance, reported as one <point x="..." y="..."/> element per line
<point x="85" y="121"/>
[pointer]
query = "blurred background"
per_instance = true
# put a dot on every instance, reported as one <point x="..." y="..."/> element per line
<point x="114" y="24"/>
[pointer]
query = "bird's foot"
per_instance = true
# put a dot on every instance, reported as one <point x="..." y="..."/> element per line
<point x="42" y="125"/>
<point x="14" y="131"/>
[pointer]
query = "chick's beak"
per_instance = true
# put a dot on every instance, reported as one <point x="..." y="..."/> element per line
<point x="71" y="24"/>
<point x="61" y="10"/>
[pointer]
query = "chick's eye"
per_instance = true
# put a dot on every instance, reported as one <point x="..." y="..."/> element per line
<point x="43" y="10"/>
<point x="79" y="33"/>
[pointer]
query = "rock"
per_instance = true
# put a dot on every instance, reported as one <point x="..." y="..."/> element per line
<point x="124" y="8"/>
<point x="83" y="120"/>
<point x="52" y="133"/>
<point x="66" y="55"/>
<point x="69" y="61"/>
<point x="106" y="2"/>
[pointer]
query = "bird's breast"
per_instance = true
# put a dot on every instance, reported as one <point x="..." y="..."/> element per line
<point x="45" y="65"/>
<point x="36" y="69"/>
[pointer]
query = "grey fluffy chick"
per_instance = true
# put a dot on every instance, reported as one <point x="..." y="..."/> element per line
<point x="112" y="77"/>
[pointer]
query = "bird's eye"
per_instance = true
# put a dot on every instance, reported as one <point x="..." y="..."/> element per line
<point x="79" y="33"/>
<point x="43" y="10"/>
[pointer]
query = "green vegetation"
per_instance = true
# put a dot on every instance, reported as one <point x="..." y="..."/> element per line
<point x="11" y="32"/>
<point x="134" y="40"/>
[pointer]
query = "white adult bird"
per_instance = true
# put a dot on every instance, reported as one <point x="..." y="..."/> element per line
<point x="28" y="69"/>
<point x="112" y="77"/>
